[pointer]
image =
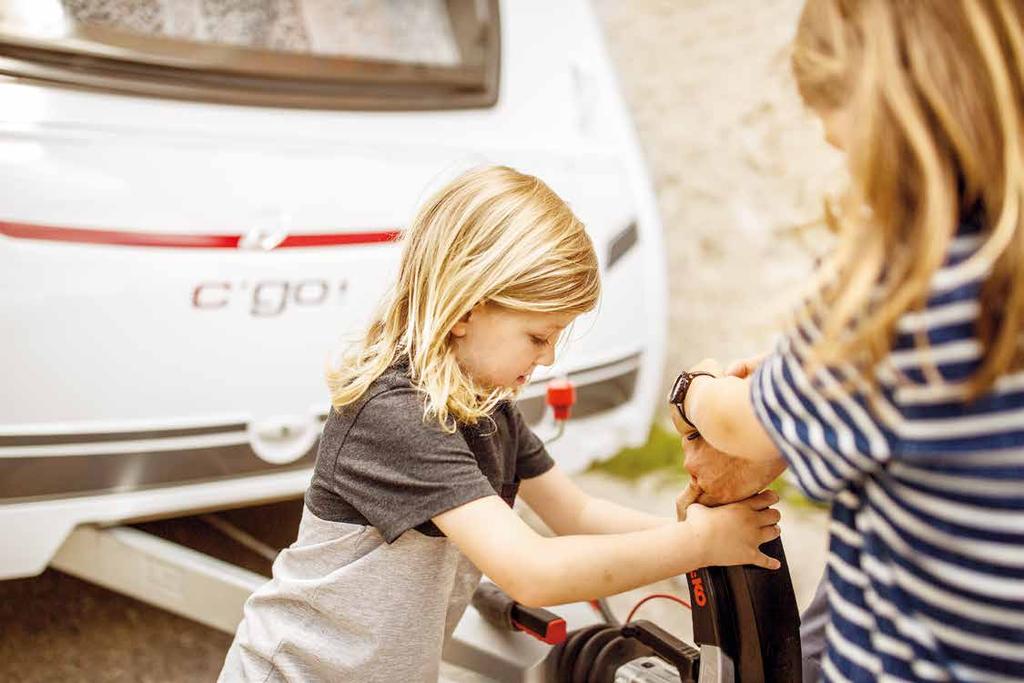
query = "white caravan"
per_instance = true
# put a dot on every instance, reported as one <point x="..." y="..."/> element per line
<point x="196" y="210"/>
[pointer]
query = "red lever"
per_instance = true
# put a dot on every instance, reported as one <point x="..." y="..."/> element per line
<point x="561" y="397"/>
<point x="551" y="632"/>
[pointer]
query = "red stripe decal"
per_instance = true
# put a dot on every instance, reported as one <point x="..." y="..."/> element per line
<point x="50" y="233"/>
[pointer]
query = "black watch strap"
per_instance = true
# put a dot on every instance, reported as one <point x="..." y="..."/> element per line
<point x="677" y="397"/>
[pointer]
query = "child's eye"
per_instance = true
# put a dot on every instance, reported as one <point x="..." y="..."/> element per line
<point x="538" y="340"/>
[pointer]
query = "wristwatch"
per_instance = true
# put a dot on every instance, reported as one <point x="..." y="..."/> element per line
<point x="677" y="397"/>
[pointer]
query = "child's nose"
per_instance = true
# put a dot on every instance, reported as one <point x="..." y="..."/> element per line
<point x="547" y="357"/>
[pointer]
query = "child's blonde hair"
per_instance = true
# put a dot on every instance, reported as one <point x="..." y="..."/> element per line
<point x="933" y="93"/>
<point x="492" y="235"/>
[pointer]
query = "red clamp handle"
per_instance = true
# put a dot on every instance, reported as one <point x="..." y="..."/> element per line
<point x="501" y="611"/>
<point x="543" y="625"/>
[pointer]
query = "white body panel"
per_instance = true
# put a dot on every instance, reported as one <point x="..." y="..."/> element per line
<point x="115" y="340"/>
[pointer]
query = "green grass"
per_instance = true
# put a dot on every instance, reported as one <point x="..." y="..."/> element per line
<point x="662" y="457"/>
<point x="661" y="454"/>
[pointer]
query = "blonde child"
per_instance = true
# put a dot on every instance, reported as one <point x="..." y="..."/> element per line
<point x="898" y="396"/>
<point x="425" y="452"/>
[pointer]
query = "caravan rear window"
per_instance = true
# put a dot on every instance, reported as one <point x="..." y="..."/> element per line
<point x="334" y="54"/>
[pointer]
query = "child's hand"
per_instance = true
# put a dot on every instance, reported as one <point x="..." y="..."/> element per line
<point x="733" y="534"/>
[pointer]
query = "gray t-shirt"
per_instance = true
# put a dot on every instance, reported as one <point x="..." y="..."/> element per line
<point x="381" y="464"/>
<point x="371" y="587"/>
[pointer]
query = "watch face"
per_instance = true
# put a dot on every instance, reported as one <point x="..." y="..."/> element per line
<point x="678" y="389"/>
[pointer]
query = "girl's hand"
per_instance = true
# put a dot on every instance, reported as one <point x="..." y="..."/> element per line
<point x="745" y="367"/>
<point x="733" y="534"/>
<point x="687" y="497"/>
<point x="717" y="478"/>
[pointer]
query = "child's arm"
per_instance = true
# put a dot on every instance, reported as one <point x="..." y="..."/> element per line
<point x="538" y="571"/>
<point x="568" y="510"/>
<point x="722" y="411"/>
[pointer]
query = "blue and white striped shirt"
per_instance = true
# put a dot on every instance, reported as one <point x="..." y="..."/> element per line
<point x="926" y="559"/>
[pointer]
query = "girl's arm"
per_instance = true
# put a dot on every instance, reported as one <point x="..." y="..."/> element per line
<point x="568" y="510"/>
<point x="538" y="571"/>
<point x="722" y="411"/>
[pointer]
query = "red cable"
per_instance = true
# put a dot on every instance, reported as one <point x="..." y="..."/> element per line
<point x="652" y="597"/>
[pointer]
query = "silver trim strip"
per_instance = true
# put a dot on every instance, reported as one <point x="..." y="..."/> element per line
<point x="49" y="471"/>
<point x="177" y="443"/>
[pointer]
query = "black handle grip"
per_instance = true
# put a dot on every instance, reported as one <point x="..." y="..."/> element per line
<point x="685" y="658"/>
<point x="494" y="605"/>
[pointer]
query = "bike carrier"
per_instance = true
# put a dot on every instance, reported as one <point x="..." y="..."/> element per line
<point x="746" y="626"/>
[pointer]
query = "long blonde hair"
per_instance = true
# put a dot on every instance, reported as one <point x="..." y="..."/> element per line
<point x="491" y="235"/>
<point x="933" y="92"/>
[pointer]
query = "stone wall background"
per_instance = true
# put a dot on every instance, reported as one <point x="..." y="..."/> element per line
<point x="739" y="166"/>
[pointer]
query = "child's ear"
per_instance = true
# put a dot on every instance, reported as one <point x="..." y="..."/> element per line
<point x="460" y="328"/>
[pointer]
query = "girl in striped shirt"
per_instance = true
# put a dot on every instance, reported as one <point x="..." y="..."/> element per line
<point x="898" y="394"/>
